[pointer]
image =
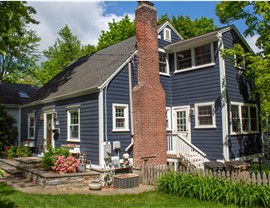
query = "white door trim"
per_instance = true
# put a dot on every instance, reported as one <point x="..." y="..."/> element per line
<point x="174" y="116"/>
<point x="45" y="113"/>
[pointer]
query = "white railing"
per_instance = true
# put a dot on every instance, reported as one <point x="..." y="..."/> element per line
<point x="178" y="146"/>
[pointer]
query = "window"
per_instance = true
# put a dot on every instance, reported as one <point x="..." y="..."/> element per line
<point x="244" y="118"/>
<point x="202" y="55"/>
<point x="195" y="57"/>
<point x="31" y="125"/>
<point x="168" y="119"/>
<point x="120" y="117"/>
<point x="205" y="115"/>
<point x="162" y="62"/>
<point x="167" y="34"/>
<point x="184" y="59"/>
<point x="73" y="116"/>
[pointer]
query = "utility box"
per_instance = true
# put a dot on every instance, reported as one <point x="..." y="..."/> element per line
<point x="107" y="151"/>
<point x="116" y="145"/>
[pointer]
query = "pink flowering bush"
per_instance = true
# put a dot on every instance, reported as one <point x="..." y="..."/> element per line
<point x="65" y="164"/>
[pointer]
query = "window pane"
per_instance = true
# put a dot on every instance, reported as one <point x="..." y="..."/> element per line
<point x="120" y="123"/>
<point x="74" y="118"/>
<point x="162" y="62"/>
<point x="244" y="110"/>
<point x="205" y="115"/>
<point x="184" y="59"/>
<point x="235" y="118"/>
<point x="120" y="120"/>
<point x="119" y="113"/>
<point x="203" y="55"/>
<point x="181" y="121"/>
<point x="253" y="119"/>
<point x="74" y="132"/>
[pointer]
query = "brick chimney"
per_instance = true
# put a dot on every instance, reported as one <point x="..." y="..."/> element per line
<point x="148" y="95"/>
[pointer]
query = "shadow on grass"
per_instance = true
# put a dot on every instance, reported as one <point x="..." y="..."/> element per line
<point x="7" y="204"/>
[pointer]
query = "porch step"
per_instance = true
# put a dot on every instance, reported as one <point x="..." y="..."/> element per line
<point x="28" y="162"/>
<point x="180" y="157"/>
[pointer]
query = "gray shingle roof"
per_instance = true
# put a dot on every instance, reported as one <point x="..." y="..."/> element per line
<point x="9" y="93"/>
<point x="88" y="72"/>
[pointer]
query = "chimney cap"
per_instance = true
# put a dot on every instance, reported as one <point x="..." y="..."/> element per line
<point x="145" y="2"/>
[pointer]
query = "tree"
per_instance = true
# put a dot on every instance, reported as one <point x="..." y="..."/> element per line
<point x="65" y="50"/>
<point x="8" y="132"/>
<point x="187" y="27"/>
<point x="257" y="18"/>
<point x="17" y="41"/>
<point x="117" y="32"/>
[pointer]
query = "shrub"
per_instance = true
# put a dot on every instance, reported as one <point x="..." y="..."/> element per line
<point x="19" y="151"/>
<point x="8" y="133"/>
<point x="215" y="189"/>
<point x="49" y="158"/>
<point x="65" y="164"/>
<point x="6" y="148"/>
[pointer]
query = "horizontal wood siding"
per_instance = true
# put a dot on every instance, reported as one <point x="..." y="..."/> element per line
<point x="162" y="43"/>
<point x="198" y="86"/>
<point x="166" y="84"/>
<point x="118" y="92"/>
<point x="239" y="89"/>
<point x="89" y="132"/>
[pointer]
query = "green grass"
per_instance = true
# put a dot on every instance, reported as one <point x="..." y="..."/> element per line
<point x="10" y="198"/>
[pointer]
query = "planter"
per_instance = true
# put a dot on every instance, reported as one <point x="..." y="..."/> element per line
<point x="95" y="185"/>
<point x="32" y="144"/>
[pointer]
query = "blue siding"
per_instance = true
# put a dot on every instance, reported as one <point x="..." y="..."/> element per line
<point x="118" y="92"/>
<point x="239" y="89"/>
<point x="89" y="127"/>
<point x="197" y="86"/>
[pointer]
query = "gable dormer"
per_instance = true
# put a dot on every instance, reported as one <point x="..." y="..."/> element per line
<point x="167" y="34"/>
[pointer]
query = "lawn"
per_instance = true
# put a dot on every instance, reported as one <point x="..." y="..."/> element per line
<point x="10" y="198"/>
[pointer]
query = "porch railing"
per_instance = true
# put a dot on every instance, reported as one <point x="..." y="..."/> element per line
<point x="178" y="146"/>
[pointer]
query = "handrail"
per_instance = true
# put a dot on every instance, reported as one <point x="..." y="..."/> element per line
<point x="190" y="144"/>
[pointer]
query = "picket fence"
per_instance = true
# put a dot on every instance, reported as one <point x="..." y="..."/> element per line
<point x="151" y="173"/>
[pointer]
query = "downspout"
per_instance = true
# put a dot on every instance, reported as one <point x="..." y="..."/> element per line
<point x="223" y="94"/>
<point x="131" y="106"/>
<point x="106" y="119"/>
<point x="19" y="126"/>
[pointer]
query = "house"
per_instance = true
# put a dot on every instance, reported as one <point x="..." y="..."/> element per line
<point x="12" y="96"/>
<point x="156" y="96"/>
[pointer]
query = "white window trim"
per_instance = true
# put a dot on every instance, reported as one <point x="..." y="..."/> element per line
<point x="193" y="59"/>
<point x="239" y="104"/>
<point x="31" y="115"/>
<point x="169" y="116"/>
<point x="167" y="63"/>
<point x="126" y="116"/>
<point x="197" y="126"/>
<point x="168" y="39"/>
<point x="235" y="63"/>
<point x="70" y="109"/>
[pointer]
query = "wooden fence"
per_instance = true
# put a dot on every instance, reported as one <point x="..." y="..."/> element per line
<point x="151" y="173"/>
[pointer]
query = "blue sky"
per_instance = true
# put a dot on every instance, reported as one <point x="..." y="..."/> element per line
<point x="88" y="18"/>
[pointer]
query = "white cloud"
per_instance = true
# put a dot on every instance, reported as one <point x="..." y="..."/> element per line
<point x="252" y="41"/>
<point x="85" y="19"/>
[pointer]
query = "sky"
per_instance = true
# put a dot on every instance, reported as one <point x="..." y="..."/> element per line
<point x="87" y="19"/>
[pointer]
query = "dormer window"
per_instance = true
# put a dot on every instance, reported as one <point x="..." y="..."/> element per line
<point x="203" y="55"/>
<point x="167" y="34"/>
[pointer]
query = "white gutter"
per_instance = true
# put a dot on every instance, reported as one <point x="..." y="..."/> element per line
<point x="19" y="126"/>
<point x="131" y="106"/>
<point x="223" y="94"/>
<point x="101" y="128"/>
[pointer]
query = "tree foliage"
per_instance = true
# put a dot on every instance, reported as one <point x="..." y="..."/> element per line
<point x="187" y="27"/>
<point x="257" y="18"/>
<point x="8" y="133"/>
<point x="66" y="49"/>
<point x="17" y="41"/>
<point x="117" y="32"/>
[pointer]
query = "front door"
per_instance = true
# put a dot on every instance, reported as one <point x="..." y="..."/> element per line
<point x="182" y="122"/>
<point x="48" y="127"/>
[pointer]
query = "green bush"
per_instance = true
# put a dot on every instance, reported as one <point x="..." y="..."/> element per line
<point x="215" y="189"/>
<point x="49" y="158"/>
<point x="19" y="151"/>
<point x="8" y="132"/>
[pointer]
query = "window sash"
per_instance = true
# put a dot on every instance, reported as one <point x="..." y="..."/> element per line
<point x="244" y="118"/>
<point x="184" y="59"/>
<point x="203" y="55"/>
<point x="162" y="62"/>
<point x="31" y="125"/>
<point x="205" y="115"/>
<point x="120" y="117"/>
